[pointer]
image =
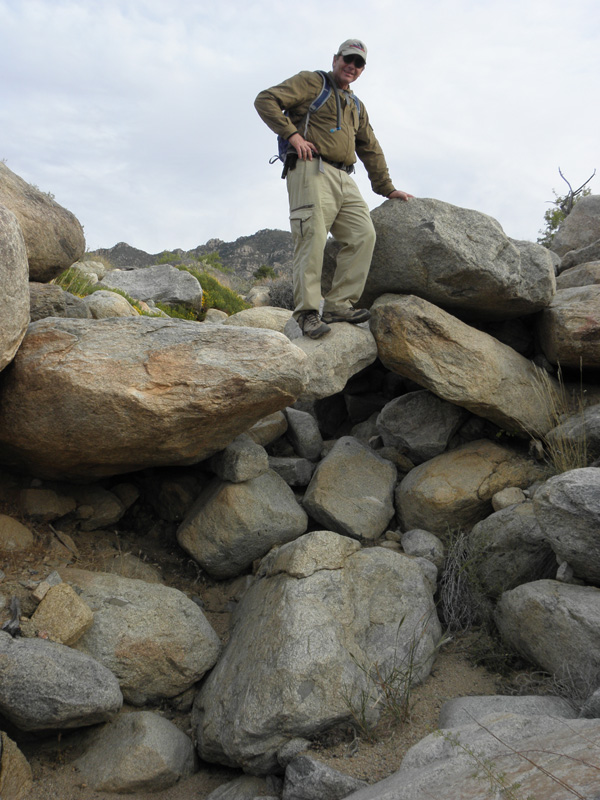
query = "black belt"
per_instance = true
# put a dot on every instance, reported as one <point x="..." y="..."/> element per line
<point x="349" y="168"/>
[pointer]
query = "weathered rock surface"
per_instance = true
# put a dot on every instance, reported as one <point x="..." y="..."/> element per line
<point x="443" y="767"/>
<point x="423" y="544"/>
<point x="14" y="287"/>
<point x="231" y="524"/>
<point x="321" y="606"/>
<point x="333" y="359"/>
<point x="152" y="637"/>
<point x="459" y="363"/>
<point x="167" y="393"/>
<point x="241" y="460"/>
<point x="269" y="317"/>
<point x="579" y="433"/>
<point x="419" y="424"/>
<point x="569" y="329"/>
<point x="161" y="283"/>
<point x="247" y="787"/>
<point x="585" y="274"/>
<point x="581" y="256"/>
<point x="50" y="686"/>
<point x="62" y="615"/>
<point x="351" y="491"/>
<point x="49" y="300"/>
<point x="555" y="625"/>
<point x="509" y="548"/>
<point x="104" y="304"/>
<point x="141" y="751"/>
<point x="307" y="778"/>
<point x="456" y="488"/>
<point x="567" y="508"/>
<point x="304" y="434"/>
<point x="16" y="777"/>
<point x="13" y="534"/>
<point x="456" y="258"/>
<point x="53" y="237"/>
<point x="580" y="228"/>
<point x="465" y="710"/>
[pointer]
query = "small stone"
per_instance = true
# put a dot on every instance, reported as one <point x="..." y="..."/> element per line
<point x="63" y="615"/>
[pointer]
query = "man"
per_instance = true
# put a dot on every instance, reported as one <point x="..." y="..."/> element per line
<point x="323" y="197"/>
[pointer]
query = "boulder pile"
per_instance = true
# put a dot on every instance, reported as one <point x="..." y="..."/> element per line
<point x="323" y="484"/>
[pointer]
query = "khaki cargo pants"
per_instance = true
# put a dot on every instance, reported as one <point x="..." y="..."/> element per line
<point x="324" y="199"/>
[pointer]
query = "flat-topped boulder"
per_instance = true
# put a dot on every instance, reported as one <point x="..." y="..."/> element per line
<point x="89" y="398"/>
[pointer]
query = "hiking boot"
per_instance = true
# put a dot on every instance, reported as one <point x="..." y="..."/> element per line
<point x="311" y="325"/>
<point x="352" y="315"/>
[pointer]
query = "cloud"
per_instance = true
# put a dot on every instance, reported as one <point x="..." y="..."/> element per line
<point x="139" y="116"/>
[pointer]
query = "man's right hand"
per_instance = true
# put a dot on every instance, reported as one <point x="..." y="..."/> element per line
<point x="304" y="149"/>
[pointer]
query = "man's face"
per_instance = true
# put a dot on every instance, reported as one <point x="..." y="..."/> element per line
<point x="344" y="73"/>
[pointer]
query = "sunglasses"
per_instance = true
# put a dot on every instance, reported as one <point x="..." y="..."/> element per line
<point x="358" y="61"/>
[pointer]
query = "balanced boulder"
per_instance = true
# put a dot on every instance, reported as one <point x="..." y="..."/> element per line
<point x="88" y="398"/>
<point x="460" y="364"/>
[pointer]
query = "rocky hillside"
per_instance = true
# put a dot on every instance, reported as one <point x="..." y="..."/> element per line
<point x="244" y="256"/>
<point x="354" y="497"/>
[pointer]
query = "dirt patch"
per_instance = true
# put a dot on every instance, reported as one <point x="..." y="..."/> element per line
<point x="55" y="777"/>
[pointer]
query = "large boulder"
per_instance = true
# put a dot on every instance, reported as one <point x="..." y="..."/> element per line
<point x="351" y="491"/>
<point x="53" y="236"/>
<point x="567" y="508"/>
<point x="161" y="283"/>
<point x="569" y="329"/>
<point x="137" y="752"/>
<point x="460" y="363"/>
<point x="305" y="636"/>
<point x="232" y="524"/>
<point x="580" y="228"/>
<point x="456" y="488"/>
<point x="556" y="626"/>
<point x="89" y="398"/>
<point x="456" y="258"/>
<point x="497" y="755"/>
<point x="419" y="424"/>
<point x="270" y="317"/>
<point x="509" y="548"/>
<point x="14" y="287"/>
<point x="335" y="358"/>
<point x="152" y="637"/>
<point x="48" y="686"/>
<point x="49" y="300"/>
<point x="581" y="275"/>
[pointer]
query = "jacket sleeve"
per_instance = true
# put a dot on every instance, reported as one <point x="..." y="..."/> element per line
<point x="290" y="94"/>
<point x="370" y="153"/>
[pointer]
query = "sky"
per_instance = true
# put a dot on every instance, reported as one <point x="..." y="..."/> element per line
<point x="138" y="115"/>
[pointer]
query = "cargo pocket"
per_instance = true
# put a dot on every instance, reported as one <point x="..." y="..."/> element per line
<point x="300" y="220"/>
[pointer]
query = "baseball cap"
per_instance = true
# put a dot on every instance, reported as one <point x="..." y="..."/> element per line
<point x="353" y="47"/>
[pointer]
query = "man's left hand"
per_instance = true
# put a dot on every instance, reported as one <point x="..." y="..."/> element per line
<point x="398" y="195"/>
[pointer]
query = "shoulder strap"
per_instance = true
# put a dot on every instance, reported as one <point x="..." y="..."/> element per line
<point x="321" y="98"/>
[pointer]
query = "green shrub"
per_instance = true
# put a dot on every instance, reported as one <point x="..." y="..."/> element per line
<point x="215" y="295"/>
<point x="264" y="271"/>
<point x="281" y="292"/>
<point x="167" y="257"/>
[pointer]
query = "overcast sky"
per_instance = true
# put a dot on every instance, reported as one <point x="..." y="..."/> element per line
<point x="138" y="115"/>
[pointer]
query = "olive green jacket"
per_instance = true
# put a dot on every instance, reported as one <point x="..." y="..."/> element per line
<point x="355" y="138"/>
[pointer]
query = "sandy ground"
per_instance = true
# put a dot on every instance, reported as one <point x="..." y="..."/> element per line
<point x="55" y="778"/>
